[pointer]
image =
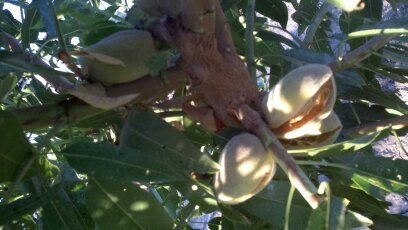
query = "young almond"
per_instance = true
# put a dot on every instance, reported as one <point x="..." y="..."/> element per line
<point x="246" y="167"/>
<point x="119" y="58"/>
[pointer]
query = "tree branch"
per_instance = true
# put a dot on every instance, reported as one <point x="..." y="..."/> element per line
<point x="74" y="110"/>
<point x="361" y="53"/>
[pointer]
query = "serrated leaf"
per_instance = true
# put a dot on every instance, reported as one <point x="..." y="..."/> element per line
<point x="14" y="147"/>
<point x="124" y="205"/>
<point x="149" y="134"/>
<point x="105" y="162"/>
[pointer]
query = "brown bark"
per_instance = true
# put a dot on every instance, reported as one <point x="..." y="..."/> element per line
<point x="219" y="76"/>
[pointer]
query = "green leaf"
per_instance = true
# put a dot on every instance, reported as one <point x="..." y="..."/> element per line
<point x="305" y="56"/>
<point x="342" y="147"/>
<point x="271" y="36"/>
<point x="385" y="73"/>
<point x="14" y="147"/>
<point x="61" y="212"/>
<point x="275" y="10"/>
<point x="6" y="85"/>
<point x="376" y="95"/>
<point x="67" y="208"/>
<point x="270" y="205"/>
<point x="333" y="214"/>
<point x="48" y="16"/>
<point x="123" y="205"/>
<point x="26" y="205"/>
<point x="304" y="13"/>
<point x="373" y="175"/>
<point x="377" y="175"/>
<point x="105" y="162"/>
<point x="27" y="33"/>
<point x="19" y="62"/>
<point x="146" y="132"/>
<point x="392" y="26"/>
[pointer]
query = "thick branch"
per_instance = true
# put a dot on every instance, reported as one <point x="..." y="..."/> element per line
<point x="74" y="110"/>
<point x="361" y="53"/>
<point x="254" y="123"/>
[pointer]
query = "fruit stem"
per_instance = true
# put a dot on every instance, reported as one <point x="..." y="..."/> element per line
<point x="254" y="123"/>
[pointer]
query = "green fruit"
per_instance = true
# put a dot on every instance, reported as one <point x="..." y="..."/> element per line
<point x="119" y="58"/>
<point x="246" y="167"/>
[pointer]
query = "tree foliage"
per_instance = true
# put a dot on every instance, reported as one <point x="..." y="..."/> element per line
<point x="76" y="154"/>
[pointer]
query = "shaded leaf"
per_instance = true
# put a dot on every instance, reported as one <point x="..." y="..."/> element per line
<point x="14" y="147"/>
<point x="104" y="162"/>
<point x="270" y="205"/>
<point x="146" y="132"/>
<point x="27" y="33"/>
<point x="6" y="85"/>
<point x="124" y="205"/>
<point x="26" y="205"/>
<point x="275" y="10"/>
<point x="67" y="208"/>
<point x="48" y="16"/>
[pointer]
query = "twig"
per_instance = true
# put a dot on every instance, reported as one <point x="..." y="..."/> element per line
<point x="361" y="53"/>
<point x="396" y="123"/>
<point x="254" y="123"/>
<point x="249" y="36"/>
<point x="59" y="83"/>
